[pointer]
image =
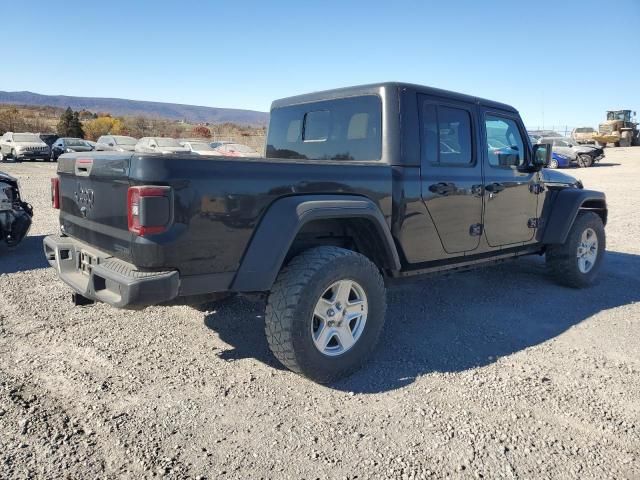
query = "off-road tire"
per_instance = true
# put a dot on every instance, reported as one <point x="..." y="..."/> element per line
<point x="585" y="161"/>
<point x="626" y="138"/>
<point x="292" y="301"/>
<point x="562" y="259"/>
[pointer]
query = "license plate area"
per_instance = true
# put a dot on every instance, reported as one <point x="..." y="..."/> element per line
<point x="86" y="262"/>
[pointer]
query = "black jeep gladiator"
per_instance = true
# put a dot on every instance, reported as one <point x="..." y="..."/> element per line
<point x="359" y="185"/>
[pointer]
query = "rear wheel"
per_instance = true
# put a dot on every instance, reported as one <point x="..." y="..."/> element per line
<point x="625" y="139"/>
<point x="553" y="163"/>
<point x="325" y="313"/>
<point x="576" y="263"/>
<point x="585" y="160"/>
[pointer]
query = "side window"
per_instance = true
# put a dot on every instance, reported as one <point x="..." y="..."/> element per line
<point x="505" y="147"/>
<point x="446" y="135"/>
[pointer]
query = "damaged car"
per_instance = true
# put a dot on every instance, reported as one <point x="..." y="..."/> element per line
<point x="15" y="215"/>
<point x="567" y="153"/>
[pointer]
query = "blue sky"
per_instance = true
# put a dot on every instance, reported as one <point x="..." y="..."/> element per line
<point x="553" y="60"/>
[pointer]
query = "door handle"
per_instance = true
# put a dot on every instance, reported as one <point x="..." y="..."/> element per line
<point x="442" y="188"/>
<point x="494" y="187"/>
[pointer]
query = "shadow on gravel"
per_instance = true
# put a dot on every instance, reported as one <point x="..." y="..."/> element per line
<point x="240" y="323"/>
<point x="454" y="322"/>
<point x="467" y="320"/>
<point x="28" y="255"/>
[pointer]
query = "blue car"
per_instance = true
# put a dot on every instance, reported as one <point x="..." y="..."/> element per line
<point x="559" y="161"/>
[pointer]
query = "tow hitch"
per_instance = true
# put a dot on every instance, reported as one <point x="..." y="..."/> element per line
<point x="80" y="300"/>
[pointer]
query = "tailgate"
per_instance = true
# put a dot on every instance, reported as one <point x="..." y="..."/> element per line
<point x="93" y="200"/>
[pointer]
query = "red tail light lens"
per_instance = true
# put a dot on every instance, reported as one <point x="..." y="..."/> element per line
<point x="149" y="209"/>
<point x="55" y="193"/>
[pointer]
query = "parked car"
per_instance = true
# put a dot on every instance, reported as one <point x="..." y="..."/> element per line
<point x="68" y="145"/>
<point x="116" y="143"/>
<point x="48" y="138"/>
<point x="583" y="135"/>
<point x="230" y="149"/>
<point x="23" y="146"/>
<point x="355" y="189"/>
<point x="15" y="214"/>
<point x="580" y="155"/>
<point x="159" y="145"/>
<point x="200" y="148"/>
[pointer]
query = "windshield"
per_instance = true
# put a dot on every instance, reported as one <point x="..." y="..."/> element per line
<point x="124" y="140"/>
<point x="26" y="137"/>
<point x="167" y="142"/>
<point x="624" y="115"/>
<point x="201" y="147"/>
<point x="75" y="142"/>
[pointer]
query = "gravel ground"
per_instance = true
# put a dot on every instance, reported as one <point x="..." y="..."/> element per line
<point x="492" y="373"/>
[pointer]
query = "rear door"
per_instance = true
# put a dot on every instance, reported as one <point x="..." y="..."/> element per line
<point x="451" y="171"/>
<point x="511" y="195"/>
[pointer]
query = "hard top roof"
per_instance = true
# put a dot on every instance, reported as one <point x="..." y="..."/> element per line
<point x="377" y="87"/>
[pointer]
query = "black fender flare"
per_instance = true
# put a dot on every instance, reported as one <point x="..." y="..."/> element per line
<point x="279" y="226"/>
<point x="566" y="205"/>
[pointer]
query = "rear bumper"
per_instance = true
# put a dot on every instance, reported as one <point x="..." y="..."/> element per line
<point x="99" y="276"/>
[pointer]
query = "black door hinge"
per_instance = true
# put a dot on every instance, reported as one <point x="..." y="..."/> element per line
<point x="534" y="223"/>
<point x="475" y="230"/>
<point x="536" y="188"/>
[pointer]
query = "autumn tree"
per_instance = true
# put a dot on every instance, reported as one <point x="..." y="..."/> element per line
<point x="201" y="132"/>
<point x="94" y="129"/>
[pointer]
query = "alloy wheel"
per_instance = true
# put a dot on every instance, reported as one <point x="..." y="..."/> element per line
<point x="339" y="317"/>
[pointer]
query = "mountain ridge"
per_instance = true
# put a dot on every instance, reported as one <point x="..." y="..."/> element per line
<point x="127" y="107"/>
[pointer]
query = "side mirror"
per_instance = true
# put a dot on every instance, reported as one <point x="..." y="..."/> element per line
<point x="110" y="144"/>
<point x="541" y="155"/>
<point x="8" y="140"/>
<point x="153" y="145"/>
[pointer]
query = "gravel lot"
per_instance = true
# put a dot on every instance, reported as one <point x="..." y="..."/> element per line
<point x="493" y="373"/>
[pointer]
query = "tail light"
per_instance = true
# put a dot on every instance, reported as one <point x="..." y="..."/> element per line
<point x="55" y="193"/>
<point x="149" y="209"/>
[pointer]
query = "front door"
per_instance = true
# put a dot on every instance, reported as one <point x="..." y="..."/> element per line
<point x="511" y="198"/>
<point x="451" y="171"/>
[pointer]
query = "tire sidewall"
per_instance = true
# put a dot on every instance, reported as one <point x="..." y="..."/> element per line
<point x="312" y="362"/>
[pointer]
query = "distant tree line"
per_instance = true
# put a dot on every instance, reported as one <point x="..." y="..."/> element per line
<point x="92" y="125"/>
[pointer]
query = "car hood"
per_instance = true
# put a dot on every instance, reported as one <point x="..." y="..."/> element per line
<point x="80" y="148"/>
<point x="554" y="177"/>
<point x="125" y="148"/>
<point x="5" y="177"/>
<point x="30" y="144"/>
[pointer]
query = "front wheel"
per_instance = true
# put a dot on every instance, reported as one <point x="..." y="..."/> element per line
<point x="325" y="313"/>
<point x="553" y="163"/>
<point x="576" y="263"/>
<point x="585" y="160"/>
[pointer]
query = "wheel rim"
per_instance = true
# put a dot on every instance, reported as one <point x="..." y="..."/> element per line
<point x="339" y="318"/>
<point x="553" y="164"/>
<point x="587" y="250"/>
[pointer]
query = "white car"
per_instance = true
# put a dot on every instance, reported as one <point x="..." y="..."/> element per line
<point x="117" y="143"/>
<point x="200" y="148"/>
<point x="160" y="145"/>
<point x="230" y="149"/>
<point x="23" y="146"/>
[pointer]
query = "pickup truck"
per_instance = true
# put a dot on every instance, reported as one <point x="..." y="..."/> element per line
<point x="359" y="186"/>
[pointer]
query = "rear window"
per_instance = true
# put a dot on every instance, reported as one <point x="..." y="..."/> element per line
<point x="344" y="129"/>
